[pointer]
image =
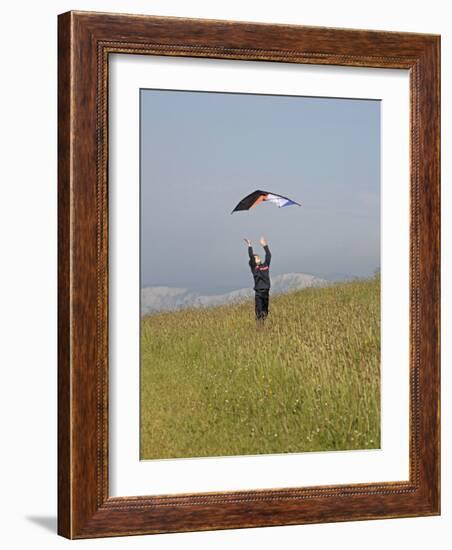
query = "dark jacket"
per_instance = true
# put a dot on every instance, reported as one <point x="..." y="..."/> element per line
<point x="261" y="272"/>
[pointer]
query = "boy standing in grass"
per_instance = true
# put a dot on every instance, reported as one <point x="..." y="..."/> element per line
<point x="261" y="274"/>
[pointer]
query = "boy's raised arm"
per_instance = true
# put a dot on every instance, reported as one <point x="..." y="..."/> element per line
<point x="250" y="253"/>
<point x="268" y="255"/>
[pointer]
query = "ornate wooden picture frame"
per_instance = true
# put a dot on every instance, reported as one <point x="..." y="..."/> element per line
<point x="85" y="42"/>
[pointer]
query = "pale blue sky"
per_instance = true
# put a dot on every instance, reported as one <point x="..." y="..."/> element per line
<point x="202" y="152"/>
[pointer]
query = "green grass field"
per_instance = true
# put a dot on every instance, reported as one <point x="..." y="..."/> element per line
<point x="214" y="384"/>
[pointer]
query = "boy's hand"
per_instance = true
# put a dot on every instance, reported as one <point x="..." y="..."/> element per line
<point x="248" y="242"/>
<point x="263" y="241"/>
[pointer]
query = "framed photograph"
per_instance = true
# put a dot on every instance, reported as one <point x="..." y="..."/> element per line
<point x="248" y="275"/>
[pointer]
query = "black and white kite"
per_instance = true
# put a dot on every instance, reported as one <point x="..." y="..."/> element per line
<point x="258" y="196"/>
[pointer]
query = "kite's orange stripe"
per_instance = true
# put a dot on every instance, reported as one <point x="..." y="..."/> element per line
<point x="259" y="200"/>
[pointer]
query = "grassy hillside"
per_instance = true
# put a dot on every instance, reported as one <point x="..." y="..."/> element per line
<point x="213" y="384"/>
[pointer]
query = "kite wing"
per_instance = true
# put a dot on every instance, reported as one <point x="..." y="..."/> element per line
<point x="263" y="196"/>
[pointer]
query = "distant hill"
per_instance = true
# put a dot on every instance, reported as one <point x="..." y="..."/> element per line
<point x="163" y="298"/>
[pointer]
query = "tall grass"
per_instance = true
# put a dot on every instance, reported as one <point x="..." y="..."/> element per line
<point x="214" y="384"/>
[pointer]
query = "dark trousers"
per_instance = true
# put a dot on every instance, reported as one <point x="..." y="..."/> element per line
<point x="261" y="302"/>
